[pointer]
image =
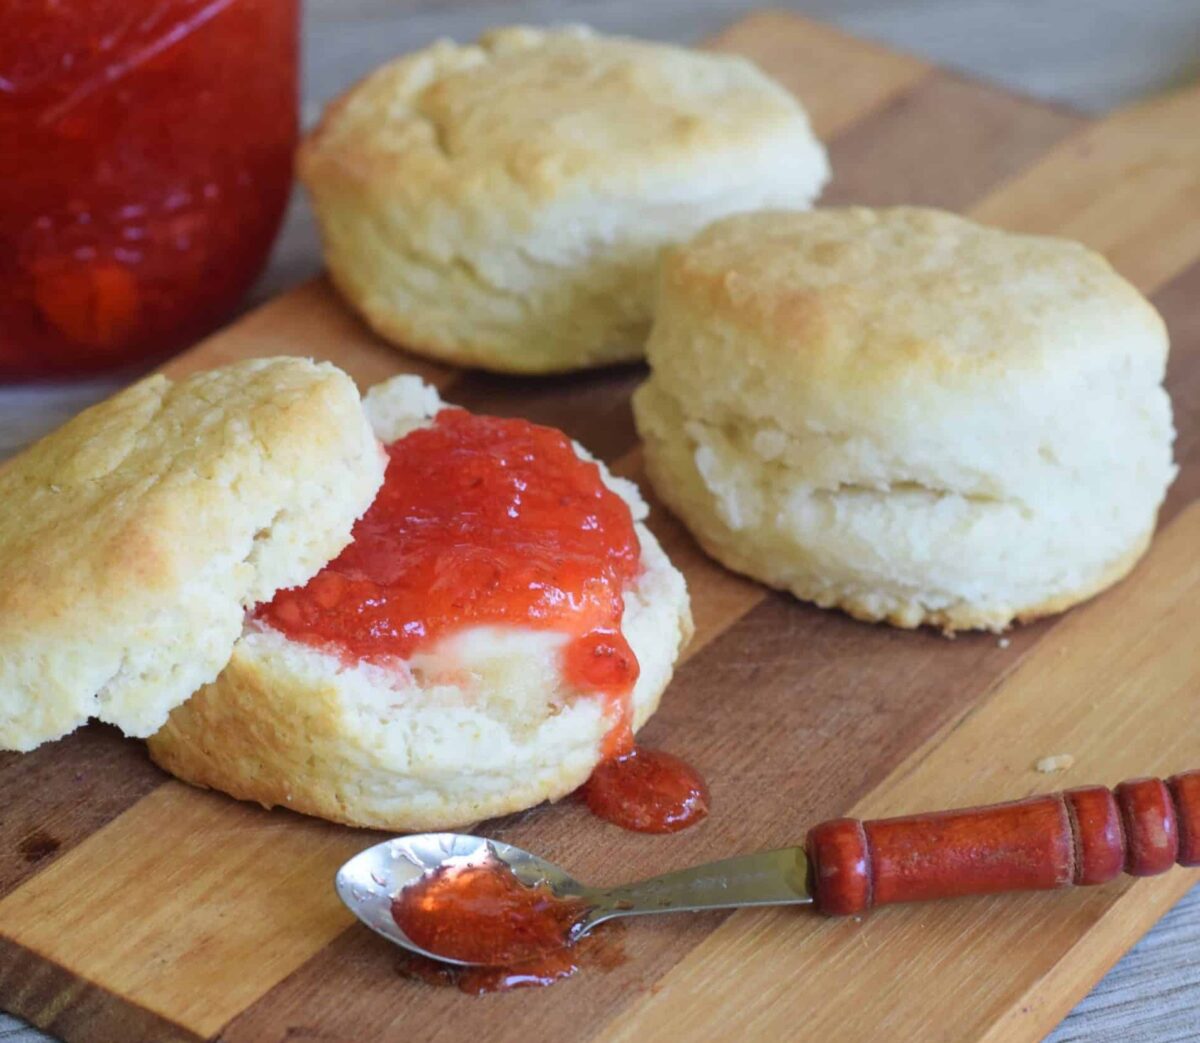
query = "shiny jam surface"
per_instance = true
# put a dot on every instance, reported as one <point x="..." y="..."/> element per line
<point x="145" y="161"/>
<point x="483" y="914"/>
<point x="599" y="950"/>
<point x="647" y="791"/>
<point x="481" y="520"/>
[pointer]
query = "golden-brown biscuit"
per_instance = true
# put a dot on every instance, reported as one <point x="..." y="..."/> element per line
<point x="907" y="415"/>
<point x="502" y="204"/>
<point x="484" y="723"/>
<point x="133" y="539"/>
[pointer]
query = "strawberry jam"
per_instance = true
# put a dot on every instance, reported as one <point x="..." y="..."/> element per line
<point x="145" y="161"/>
<point x="481" y="521"/>
<point x="599" y="950"/>
<point x="483" y="914"/>
<point x="518" y="935"/>
<point x="647" y="791"/>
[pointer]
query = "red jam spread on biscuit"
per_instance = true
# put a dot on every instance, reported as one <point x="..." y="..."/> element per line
<point x="647" y="791"/>
<point x="481" y="521"/>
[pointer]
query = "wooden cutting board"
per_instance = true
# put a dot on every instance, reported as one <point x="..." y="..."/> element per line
<point x="135" y="908"/>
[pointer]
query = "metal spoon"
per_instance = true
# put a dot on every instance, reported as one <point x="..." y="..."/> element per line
<point x="1081" y="837"/>
<point x="370" y="881"/>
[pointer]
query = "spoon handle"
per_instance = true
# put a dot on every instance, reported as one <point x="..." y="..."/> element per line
<point x="1080" y="836"/>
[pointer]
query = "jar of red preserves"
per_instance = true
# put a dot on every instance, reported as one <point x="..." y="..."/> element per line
<point x="145" y="163"/>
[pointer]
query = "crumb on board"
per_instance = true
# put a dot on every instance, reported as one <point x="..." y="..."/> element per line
<point x="1059" y="762"/>
<point x="1004" y="642"/>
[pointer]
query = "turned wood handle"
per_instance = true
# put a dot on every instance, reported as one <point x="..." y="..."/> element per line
<point x="1082" y="836"/>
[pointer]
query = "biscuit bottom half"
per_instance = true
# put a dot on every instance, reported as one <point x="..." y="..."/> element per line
<point x="481" y="725"/>
<point x="906" y="554"/>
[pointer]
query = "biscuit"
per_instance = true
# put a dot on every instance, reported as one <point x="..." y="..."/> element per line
<point x="906" y="415"/>
<point x="134" y="537"/>
<point x="482" y="724"/>
<point x="502" y="204"/>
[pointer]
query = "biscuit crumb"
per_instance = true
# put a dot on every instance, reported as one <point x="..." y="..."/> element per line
<point x="1059" y="762"/>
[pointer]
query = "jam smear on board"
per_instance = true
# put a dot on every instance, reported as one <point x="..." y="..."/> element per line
<point x="481" y="521"/>
<point x="647" y="791"/>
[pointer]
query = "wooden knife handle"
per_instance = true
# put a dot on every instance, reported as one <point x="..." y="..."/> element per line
<point x="1082" y="836"/>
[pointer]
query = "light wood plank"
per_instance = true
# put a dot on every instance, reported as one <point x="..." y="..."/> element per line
<point x="189" y="905"/>
<point x="54" y="999"/>
<point x="1128" y="186"/>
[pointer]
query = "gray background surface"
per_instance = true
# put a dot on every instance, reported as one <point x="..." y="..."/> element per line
<point x="1092" y="54"/>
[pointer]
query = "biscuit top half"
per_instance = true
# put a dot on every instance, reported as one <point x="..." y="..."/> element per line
<point x="539" y="113"/>
<point x="134" y="537"/>
<point x="910" y="348"/>
<point x="855" y="300"/>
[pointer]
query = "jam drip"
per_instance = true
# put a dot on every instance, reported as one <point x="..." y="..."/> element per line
<point x="647" y="791"/>
<point x="481" y="521"/>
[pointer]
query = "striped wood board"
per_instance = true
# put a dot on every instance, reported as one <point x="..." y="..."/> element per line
<point x="135" y="908"/>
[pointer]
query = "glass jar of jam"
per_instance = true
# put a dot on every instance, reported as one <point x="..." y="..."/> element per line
<point x="145" y="163"/>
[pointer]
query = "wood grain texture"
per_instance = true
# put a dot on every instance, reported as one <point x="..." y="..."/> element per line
<point x="188" y="905"/>
<point x="942" y="143"/>
<point x="840" y="78"/>
<point x="1128" y="186"/>
<point x="62" y="793"/>
<point x="45" y="994"/>
<point x="217" y="917"/>
<point x="1177" y="302"/>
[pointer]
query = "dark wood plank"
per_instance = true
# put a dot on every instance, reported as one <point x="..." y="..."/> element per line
<point x="1178" y="302"/>
<point x="945" y="143"/>
<point x="840" y="78"/>
<point x="61" y="793"/>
